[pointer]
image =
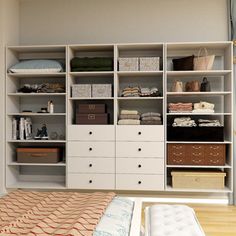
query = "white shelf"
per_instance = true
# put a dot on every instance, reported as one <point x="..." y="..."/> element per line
<point x="172" y="74"/>
<point x="224" y="190"/>
<point x="140" y="73"/>
<point x="36" y="114"/>
<point x="37" y="75"/>
<point x="36" y="141"/>
<point x="140" y="98"/>
<point x="198" y="142"/>
<point x="36" y="164"/>
<point x="91" y="98"/>
<point x="91" y="73"/>
<point x="35" y="94"/>
<point x="198" y="114"/>
<point x="37" y="185"/>
<point x="220" y="93"/>
<point x="200" y="166"/>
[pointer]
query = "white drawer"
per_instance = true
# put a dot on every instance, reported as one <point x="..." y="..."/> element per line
<point x="139" y="182"/>
<point x="91" y="149"/>
<point x="140" y="149"/>
<point x="91" y="165"/>
<point x="140" y="166"/>
<point x="91" y="132"/>
<point x="140" y="133"/>
<point x="91" y="181"/>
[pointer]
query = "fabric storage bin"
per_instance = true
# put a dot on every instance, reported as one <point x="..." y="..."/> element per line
<point x="184" y="63"/>
<point x="92" y="119"/>
<point x="81" y="90"/>
<point x="149" y="63"/>
<point x="198" y="180"/>
<point x="38" y="155"/>
<point x="101" y="90"/>
<point x="203" y="134"/>
<point x="129" y="64"/>
<point x="91" y="108"/>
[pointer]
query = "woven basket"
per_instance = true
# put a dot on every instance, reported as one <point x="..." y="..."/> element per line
<point x="203" y="62"/>
<point x="185" y="63"/>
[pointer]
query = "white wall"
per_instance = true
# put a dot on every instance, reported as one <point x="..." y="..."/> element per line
<point x="110" y="21"/>
<point x="9" y="34"/>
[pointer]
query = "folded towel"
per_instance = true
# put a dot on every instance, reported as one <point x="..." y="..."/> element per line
<point x="203" y="111"/>
<point x="129" y="112"/>
<point x="129" y="122"/>
<point x="204" y="105"/>
<point x="82" y="62"/>
<point x="151" y="114"/>
<point x="151" y="118"/>
<point x="151" y="122"/>
<point x="132" y="117"/>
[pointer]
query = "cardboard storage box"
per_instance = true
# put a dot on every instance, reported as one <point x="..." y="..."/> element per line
<point x="101" y="90"/>
<point x="38" y="155"/>
<point x="198" y="180"/>
<point x="92" y="119"/>
<point x="128" y="64"/>
<point x="149" y="63"/>
<point x="91" y="108"/>
<point x="81" y="90"/>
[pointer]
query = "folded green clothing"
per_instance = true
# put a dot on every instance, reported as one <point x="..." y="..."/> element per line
<point x="91" y="69"/>
<point x="79" y="62"/>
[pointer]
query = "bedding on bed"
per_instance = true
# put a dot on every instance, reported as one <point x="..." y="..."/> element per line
<point x="52" y="213"/>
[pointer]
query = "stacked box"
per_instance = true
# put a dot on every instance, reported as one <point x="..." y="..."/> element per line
<point x="81" y="90"/>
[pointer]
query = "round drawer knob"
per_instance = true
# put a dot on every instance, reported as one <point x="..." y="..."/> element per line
<point x="139" y="133"/>
<point x="90" y="149"/>
<point x="90" y="165"/>
<point x="90" y="132"/>
<point x="140" y="149"/>
<point x="139" y="182"/>
<point x="90" y="181"/>
<point x="139" y="166"/>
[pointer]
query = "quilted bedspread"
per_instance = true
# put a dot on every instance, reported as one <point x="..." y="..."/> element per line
<point x="52" y="213"/>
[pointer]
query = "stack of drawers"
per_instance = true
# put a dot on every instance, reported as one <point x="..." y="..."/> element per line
<point x="91" y="157"/>
<point x="140" y="158"/>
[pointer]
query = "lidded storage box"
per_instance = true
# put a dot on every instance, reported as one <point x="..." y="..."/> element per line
<point x="101" y="90"/>
<point x="128" y="64"/>
<point x="38" y="155"/>
<point x="92" y="119"/>
<point x="198" y="180"/>
<point x="81" y="90"/>
<point x="149" y="63"/>
<point x="91" y="108"/>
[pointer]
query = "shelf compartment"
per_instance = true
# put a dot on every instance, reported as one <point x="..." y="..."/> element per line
<point x="36" y="94"/>
<point x="174" y="74"/>
<point x="139" y="73"/>
<point x="35" y="164"/>
<point x="36" y="114"/>
<point x="60" y="75"/>
<point x="216" y="93"/>
<point x="140" y="98"/>
<point x="190" y="166"/>
<point x="91" y="73"/>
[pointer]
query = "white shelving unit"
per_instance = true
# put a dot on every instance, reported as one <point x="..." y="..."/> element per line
<point x="108" y="156"/>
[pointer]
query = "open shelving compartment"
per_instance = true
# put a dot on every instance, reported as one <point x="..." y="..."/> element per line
<point x="35" y="175"/>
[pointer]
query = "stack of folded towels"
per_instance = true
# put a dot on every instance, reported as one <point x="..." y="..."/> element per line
<point x="180" y="107"/>
<point x="151" y="118"/>
<point x="149" y="92"/>
<point x="131" y="92"/>
<point x="92" y="64"/>
<point x="204" y="107"/>
<point x="129" y="117"/>
<point x="184" y="122"/>
<point x="209" y="123"/>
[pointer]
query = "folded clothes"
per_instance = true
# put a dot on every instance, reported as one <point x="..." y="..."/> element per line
<point x="151" y="122"/>
<point x="146" y="92"/>
<point x="129" y="112"/>
<point x="104" y="68"/>
<point x="150" y="114"/>
<point x="209" y="123"/>
<point x="204" y="105"/>
<point x="133" y="117"/>
<point x="203" y="111"/>
<point x="131" y="92"/>
<point x="129" y="122"/>
<point x="92" y="62"/>
<point x="180" y="107"/>
<point x="184" y="122"/>
<point x="151" y="118"/>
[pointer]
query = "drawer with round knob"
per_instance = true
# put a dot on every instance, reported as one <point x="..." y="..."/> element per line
<point x="140" y="165"/>
<point x="91" y="149"/>
<point x="91" y="181"/>
<point x="139" y="182"/>
<point x="140" y="149"/>
<point x="91" y="165"/>
<point x="140" y="133"/>
<point x="91" y="132"/>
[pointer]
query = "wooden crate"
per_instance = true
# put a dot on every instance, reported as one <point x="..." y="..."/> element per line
<point x="198" y="180"/>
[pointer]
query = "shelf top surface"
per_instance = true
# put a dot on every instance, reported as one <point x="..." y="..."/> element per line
<point x="38" y="48"/>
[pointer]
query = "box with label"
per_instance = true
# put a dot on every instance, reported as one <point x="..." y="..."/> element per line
<point x="92" y="119"/>
<point x="90" y="108"/>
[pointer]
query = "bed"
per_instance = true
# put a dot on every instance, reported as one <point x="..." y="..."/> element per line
<point x="68" y="213"/>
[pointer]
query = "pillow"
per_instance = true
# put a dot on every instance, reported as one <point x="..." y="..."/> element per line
<point x="37" y="66"/>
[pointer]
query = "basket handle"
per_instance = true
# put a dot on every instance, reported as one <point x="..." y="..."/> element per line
<point x="200" y="50"/>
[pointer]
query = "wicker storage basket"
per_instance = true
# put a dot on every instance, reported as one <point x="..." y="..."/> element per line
<point x="101" y="90"/>
<point x="81" y="90"/>
<point x="128" y="64"/>
<point x="149" y="63"/>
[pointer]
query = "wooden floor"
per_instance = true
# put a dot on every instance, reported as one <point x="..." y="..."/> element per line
<point x="216" y="220"/>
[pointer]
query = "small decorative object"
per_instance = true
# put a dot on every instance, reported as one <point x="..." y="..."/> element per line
<point x="81" y="90"/>
<point x="205" y="85"/>
<point x="54" y="135"/>
<point x="101" y="90"/>
<point x="193" y="86"/>
<point x="203" y="62"/>
<point x="149" y="63"/>
<point x="177" y="86"/>
<point x="50" y="107"/>
<point x="128" y="64"/>
<point x="42" y="134"/>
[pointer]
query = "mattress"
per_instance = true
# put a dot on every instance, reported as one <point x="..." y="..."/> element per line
<point x="171" y="220"/>
<point x="116" y="220"/>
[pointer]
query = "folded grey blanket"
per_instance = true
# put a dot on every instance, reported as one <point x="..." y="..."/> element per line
<point x="151" y="118"/>
<point x="133" y="117"/>
<point x="153" y="114"/>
